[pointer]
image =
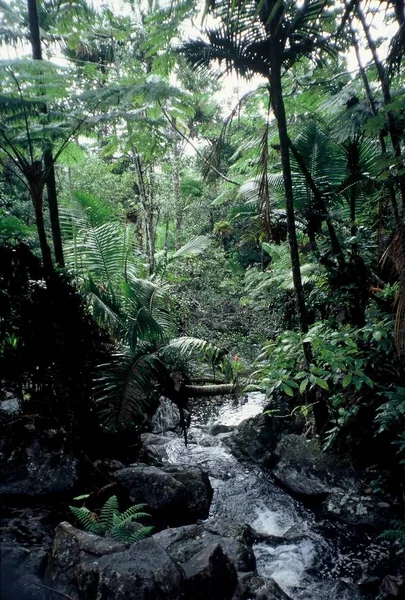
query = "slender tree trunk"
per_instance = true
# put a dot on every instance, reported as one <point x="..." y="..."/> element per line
<point x="374" y="110"/>
<point x="36" y="190"/>
<point x="35" y="39"/>
<point x="394" y="128"/>
<point x="320" y="408"/>
<point x="279" y="111"/>
<point x="53" y="206"/>
<point x="146" y="205"/>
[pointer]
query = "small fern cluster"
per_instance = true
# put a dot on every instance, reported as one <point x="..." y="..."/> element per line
<point x="112" y="523"/>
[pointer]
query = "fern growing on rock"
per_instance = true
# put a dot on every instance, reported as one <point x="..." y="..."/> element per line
<point x="114" y="524"/>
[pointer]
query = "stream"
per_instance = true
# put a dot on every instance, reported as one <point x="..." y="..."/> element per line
<point x="292" y="548"/>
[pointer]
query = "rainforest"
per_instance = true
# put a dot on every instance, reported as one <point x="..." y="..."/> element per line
<point x="202" y="299"/>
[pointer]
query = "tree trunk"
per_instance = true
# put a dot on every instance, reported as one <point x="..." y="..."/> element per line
<point x="203" y="391"/>
<point x="395" y="129"/>
<point x="53" y="206"/>
<point x="279" y="111"/>
<point x="35" y="39"/>
<point x="320" y="408"/>
<point x="147" y="210"/>
<point x="36" y="190"/>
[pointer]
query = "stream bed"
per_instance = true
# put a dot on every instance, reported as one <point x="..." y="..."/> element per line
<point x="292" y="547"/>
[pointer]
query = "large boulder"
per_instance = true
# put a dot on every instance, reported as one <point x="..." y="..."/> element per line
<point x="166" y="417"/>
<point x="304" y="470"/>
<point x="256" y="438"/>
<point x="188" y="563"/>
<point x="84" y="565"/>
<point x="357" y="509"/>
<point x="175" y="495"/>
<point x="36" y="466"/>
<point x="26" y="541"/>
<point x="201" y="539"/>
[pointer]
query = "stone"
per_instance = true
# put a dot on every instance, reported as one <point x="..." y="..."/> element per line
<point x="254" y="587"/>
<point x="38" y="467"/>
<point x="209" y="562"/>
<point x="188" y="563"/>
<point x="303" y="469"/>
<point x="175" y="495"/>
<point x="255" y="438"/>
<point x="356" y="509"/>
<point x="84" y="565"/>
<point x="183" y="542"/>
<point x="154" y="448"/>
<point x="26" y="541"/>
<point x="166" y="417"/>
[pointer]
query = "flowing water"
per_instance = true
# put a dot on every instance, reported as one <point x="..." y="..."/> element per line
<point x="291" y="550"/>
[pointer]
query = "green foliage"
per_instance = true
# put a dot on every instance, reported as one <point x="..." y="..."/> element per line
<point x="112" y="523"/>
<point x="390" y="418"/>
<point x="337" y="361"/>
<point x="396" y="534"/>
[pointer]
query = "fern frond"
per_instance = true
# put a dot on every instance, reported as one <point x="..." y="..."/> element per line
<point x="141" y="534"/>
<point x="87" y="519"/>
<point x="107" y="513"/>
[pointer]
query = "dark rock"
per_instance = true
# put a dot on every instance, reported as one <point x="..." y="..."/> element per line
<point x="304" y="470"/>
<point x="219" y="428"/>
<point x="154" y="448"/>
<point x="209" y="562"/>
<point x="355" y="509"/>
<point x="185" y="564"/>
<point x="87" y="566"/>
<point x="166" y="417"/>
<point x="38" y="467"/>
<point x="256" y="439"/>
<point x="254" y="587"/>
<point x="25" y="545"/>
<point x="199" y="490"/>
<point x="183" y="542"/>
<point x="176" y="495"/>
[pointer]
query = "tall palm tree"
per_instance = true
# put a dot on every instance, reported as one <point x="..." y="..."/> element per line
<point x="266" y="38"/>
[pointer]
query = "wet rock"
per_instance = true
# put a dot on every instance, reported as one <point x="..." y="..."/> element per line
<point x="356" y="509"/>
<point x="209" y="561"/>
<point x="37" y="467"/>
<point x="26" y="541"/>
<point x="304" y="470"/>
<point x="176" y="564"/>
<point x="183" y="542"/>
<point x="83" y="565"/>
<point x="254" y="438"/>
<point x="254" y="587"/>
<point x="154" y="448"/>
<point x="166" y="417"/>
<point x="219" y="428"/>
<point x="199" y="490"/>
<point x="176" y="495"/>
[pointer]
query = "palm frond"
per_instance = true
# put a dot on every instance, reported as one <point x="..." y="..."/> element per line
<point x="396" y="51"/>
<point x="124" y="387"/>
<point x="194" y="246"/>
